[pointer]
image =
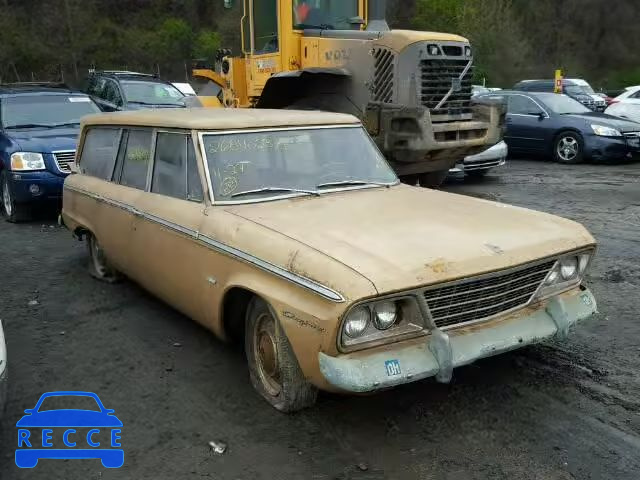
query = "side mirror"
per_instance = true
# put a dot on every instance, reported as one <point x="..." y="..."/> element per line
<point x="29" y="411"/>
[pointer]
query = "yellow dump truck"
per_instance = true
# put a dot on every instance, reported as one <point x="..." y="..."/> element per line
<point x="411" y="89"/>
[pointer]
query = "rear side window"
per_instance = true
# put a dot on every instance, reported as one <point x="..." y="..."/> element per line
<point x="99" y="152"/>
<point x="136" y="159"/>
<point x="175" y="172"/>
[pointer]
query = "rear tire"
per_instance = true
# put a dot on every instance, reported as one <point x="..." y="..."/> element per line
<point x="99" y="267"/>
<point x="568" y="148"/>
<point x="273" y="367"/>
<point x="12" y="211"/>
<point x="433" y="179"/>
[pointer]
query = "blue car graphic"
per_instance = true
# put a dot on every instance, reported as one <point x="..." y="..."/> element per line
<point x="31" y="449"/>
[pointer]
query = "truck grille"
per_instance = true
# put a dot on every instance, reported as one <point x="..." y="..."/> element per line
<point x="481" y="299"/>
<point x="438" y="76"/>
<point x="64" y="160"/>
<point x="383" y="75"/>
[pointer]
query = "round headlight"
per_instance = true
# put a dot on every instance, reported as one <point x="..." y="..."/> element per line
<point x="552" y="277"/>
<point x="584" y="262"/>
<point x="386" y="314"/>
<point x="357" y="322"/>
<point x="569" y="268"/>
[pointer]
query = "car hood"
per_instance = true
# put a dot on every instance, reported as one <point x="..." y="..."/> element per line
<point x="45" y="140"/>
<point x="607" y="121"/>
<point x="69" y="418"/>
<point x="403" y="237"/>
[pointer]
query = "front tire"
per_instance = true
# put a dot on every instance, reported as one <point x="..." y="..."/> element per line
<point x="568" y="148"/>
<point x="12" y="211"/>
<point x="273" y="367"/>
<point x="99" y="267"/>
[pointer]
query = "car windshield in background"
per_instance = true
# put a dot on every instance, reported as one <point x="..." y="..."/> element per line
<point x="152" y="93"/>
<point x="563" y="105"/>
<point x="67" y="402"/>
<point x="578" y="90"/>
<point x="326" y="14"/>
<point x="267" y="164"/>
<point x="46" y="111"/>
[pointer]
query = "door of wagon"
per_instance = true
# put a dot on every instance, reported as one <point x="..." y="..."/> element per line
<point x="166" y="256"/>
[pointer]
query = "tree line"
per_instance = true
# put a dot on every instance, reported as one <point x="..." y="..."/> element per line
<point x="513" y="39"/>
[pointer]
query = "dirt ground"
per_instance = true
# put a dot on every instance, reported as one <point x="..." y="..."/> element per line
<point x="555" y="411"/>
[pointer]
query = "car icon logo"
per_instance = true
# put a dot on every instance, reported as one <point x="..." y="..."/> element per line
<point x="90" y="432"/>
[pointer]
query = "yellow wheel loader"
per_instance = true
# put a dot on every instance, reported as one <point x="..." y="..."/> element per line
<point x="411" y="89"/>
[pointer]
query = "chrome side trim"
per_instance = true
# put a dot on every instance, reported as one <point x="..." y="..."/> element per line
<point x="304" y="282"/>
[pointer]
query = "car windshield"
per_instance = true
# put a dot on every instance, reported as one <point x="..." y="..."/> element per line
<point x="256" y="166"/>
<point x="69" y="402"/>
<point x="563" y="105"/>
<point x="48" y="111"/>
<point x="579" y="90"/>
<point x="329" y="14"/>
<point x="152" y="93"/>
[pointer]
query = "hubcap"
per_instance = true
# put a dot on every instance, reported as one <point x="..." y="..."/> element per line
<point x="568" y="148"/>
<point x="266" y="354"/>
<point x="6" y="199"/>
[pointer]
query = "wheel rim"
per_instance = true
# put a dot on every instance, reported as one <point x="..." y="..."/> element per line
<point x="97" y="257"/>
<point x="266" y="354"/>
<point x="568" y="149"/>
<point x="6" y="199"/>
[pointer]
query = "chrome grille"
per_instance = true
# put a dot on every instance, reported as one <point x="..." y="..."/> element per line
<point x="64" y="160"/>
<point x="438" y="77"/>
<point x="475" y="300"/>
<point x="383" y="75"/>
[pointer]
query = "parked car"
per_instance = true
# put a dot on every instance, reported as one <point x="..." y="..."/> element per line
<point x="631" y="94"/>
<point x="575" y="88"/>
<point x="39" y="126"/>
<point x="482" y="163"/>
<point x="119" y="90"/>
<point x="625" y="109"/>
<point x="556" y="125"/>
<point x="4" y="372"/>
<point x="290" y="230"/>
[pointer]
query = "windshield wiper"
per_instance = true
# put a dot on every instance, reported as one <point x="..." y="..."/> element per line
<point x="322" y="26"/>
<point x="156" y="104"/>
<point x="353" y="183"/>
<point x="68" y="124"/>
<point x="275" y="190"/>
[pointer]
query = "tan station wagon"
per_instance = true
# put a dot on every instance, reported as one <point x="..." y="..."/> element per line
<point x="290" y="231"/>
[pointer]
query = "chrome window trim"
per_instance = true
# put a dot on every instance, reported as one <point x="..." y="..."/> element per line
<point x="205" y="160"/>
<point x="281" y="272"/>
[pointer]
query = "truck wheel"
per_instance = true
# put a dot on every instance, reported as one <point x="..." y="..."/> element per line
<point x="433" y="179"/>
<point x="99" y="267"/>
<point x="12" y="211"/>
<point x="273" y="367"/>
<point x="568" y="148"/>
<point x="409" y="179"/>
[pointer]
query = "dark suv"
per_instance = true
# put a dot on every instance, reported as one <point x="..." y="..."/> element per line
<point x="577" y="89"/>
<point x="116" y="90"/>
<point x="39" y="127"/>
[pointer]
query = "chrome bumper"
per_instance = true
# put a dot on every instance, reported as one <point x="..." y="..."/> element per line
<point x="493" y="157"/>
<point x="437" y="354"/>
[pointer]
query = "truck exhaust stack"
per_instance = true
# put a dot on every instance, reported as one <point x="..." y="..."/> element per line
<point x="378" y="16"/>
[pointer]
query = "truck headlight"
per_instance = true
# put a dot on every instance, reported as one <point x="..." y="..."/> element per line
<point x="566" y="274"/>
<point x="603" y="131"/>
<point x="467" y="51"/>
<point x="382" y="321"/>
<point x="27" y="161"/>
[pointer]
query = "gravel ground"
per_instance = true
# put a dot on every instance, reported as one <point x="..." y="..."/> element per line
<point x="554" y="411"/>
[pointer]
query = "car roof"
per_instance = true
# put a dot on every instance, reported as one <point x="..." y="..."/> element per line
<point x="126" y="75"/>
<point x="36" y="88"/>
<point x="219" y="118"/>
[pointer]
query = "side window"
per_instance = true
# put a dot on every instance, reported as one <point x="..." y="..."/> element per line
<point x="635" y="95"/>
<point x="265" y="28"/>
<point x="111" y="93"/>
<point x="521" y="105"/>
<point x="99" y="152"/>
<point x="175" y="172"/>
<point x="137" y="153"/>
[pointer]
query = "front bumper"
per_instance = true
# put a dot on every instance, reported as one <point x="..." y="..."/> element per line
<point x="28" y="187"/>
<point x="438" y="353"/>
<point x="611" y="148"/>
<point x="493" y="157"/>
